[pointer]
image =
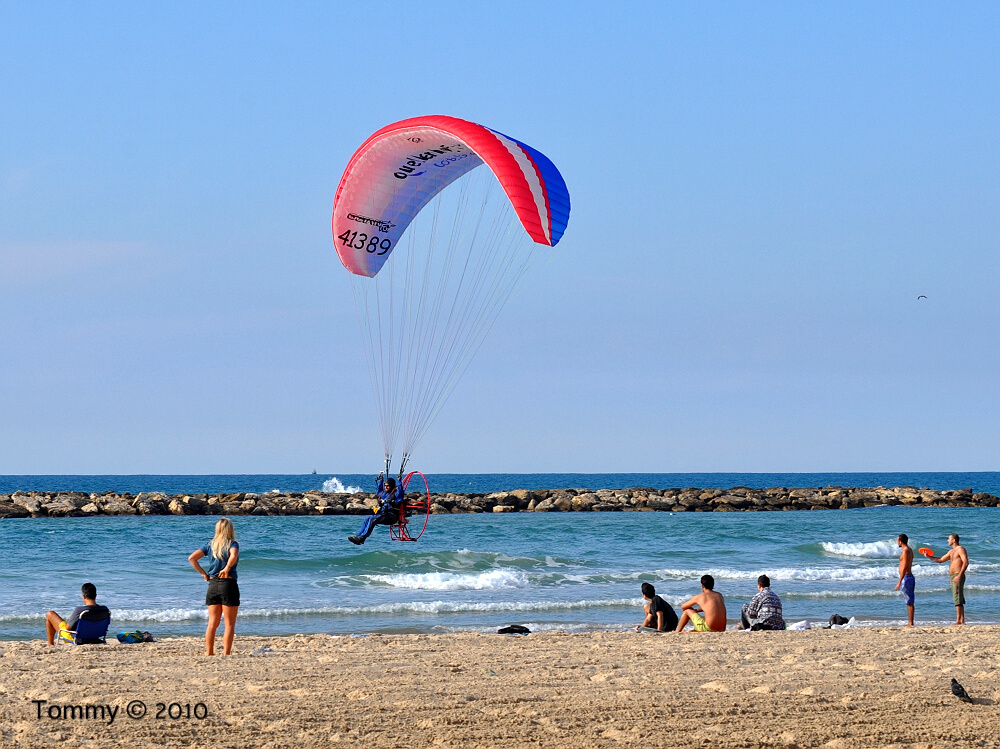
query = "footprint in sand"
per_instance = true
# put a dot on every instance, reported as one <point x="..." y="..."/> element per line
<point x="617" y="735"/>
<point x="715" y="686"/>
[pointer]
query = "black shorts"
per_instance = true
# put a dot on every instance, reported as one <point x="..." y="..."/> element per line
<point x="222" y="591"/>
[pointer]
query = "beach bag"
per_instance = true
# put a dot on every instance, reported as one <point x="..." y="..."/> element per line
<point x="134" y="637"/>
<point x="513" y="629"/>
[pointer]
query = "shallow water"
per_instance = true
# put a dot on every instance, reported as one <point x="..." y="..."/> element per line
<point x="573" y="571"/>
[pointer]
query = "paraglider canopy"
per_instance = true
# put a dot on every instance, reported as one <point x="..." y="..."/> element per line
<point x="436" y="246"/>
<point x="400" y="168"/>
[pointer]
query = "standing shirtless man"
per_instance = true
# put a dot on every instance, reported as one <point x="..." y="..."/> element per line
<point x="906" y="574"/>
<point x="712" y="614"/>
<point x="958" y="558"/>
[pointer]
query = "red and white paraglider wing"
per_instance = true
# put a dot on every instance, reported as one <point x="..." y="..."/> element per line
<point x="400" y="168"/>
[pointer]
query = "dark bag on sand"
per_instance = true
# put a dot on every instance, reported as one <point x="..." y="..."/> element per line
<point x="513" y="629"/>
<point x="838" y="619"/>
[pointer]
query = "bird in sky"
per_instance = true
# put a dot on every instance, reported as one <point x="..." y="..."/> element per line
<point x="921" y="297"/>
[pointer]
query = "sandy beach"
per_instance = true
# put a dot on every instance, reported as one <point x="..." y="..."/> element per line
<point x="850" y="688"/>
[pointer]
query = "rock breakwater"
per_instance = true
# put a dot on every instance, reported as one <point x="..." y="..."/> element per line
<point x="638" y="499"/>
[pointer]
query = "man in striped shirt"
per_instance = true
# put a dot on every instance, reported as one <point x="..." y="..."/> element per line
<point x="764" y="609"/>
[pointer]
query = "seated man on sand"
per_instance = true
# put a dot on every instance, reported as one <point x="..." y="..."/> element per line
<point x="660" y="615"/>
<point x="764" y="609"/>
<point x="706" y="611"/>
<point x="56" y="624"/>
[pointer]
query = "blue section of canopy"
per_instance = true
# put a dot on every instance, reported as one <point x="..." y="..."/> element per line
<point x="555" y="189"/>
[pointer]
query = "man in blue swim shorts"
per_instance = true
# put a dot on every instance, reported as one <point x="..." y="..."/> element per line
<point x="906" y="582"/>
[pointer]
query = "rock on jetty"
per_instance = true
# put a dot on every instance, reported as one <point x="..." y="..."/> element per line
<point x="638" y="499"/>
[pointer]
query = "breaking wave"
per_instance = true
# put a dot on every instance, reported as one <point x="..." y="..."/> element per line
<point x="805" y="574"/>
<point x="334" y="486"/>
<point x="871" y="550"/>
<point x="493" y="580"/>
<point x="402" y="607"/>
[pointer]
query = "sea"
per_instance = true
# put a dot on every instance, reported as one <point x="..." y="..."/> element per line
<point x="475" y="573"/>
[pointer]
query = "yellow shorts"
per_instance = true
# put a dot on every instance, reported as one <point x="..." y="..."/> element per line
<point x="698" y="621"/>
<point x="64" y="634"/>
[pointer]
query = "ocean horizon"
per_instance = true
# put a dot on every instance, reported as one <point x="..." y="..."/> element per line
<point x="978" y="481"/>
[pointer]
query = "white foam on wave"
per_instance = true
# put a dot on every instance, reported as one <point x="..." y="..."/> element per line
<point x="159" y="615"/>
<point x="882" y="592"/>
<point x="452" y="607"/>
<point x="23" y="617"/>
<point x="788" y="574"/>
<point x="803" y="574"/>
<point x="402" y="607"/>
<point x="334" y="486"/>
<point x="501" y="579"/>
<point x="885" y="592"/>
<point x="125" y="615"/>
<point x="869" y="550"/>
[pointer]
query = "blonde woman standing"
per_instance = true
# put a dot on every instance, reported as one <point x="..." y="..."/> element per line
<point x="223" y="597"/>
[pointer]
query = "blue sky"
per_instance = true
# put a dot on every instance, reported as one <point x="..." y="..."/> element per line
<point x="760" y="193"/>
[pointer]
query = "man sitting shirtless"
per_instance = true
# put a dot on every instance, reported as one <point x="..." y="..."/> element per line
<point x="706" y="611"/>
<point x="958" y="559"/>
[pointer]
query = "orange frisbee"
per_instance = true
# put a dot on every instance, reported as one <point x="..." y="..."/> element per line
<point x="925" y="551"/>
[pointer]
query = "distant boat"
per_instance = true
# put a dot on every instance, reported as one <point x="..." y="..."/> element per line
<point x="314" y="472"/>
